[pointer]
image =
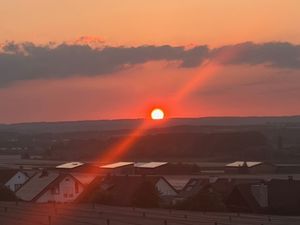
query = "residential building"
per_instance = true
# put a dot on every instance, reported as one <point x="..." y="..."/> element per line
<point x="50" y="187"/>
<point x="18" y="179"/>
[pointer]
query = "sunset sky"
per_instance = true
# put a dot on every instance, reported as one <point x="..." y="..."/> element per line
<point x="109" y="59"/>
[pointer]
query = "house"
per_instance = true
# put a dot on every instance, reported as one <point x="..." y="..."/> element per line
<point x="284" y="196"/>
<point x="245" y="198"/>
<point x="119" y="190"/>
<point x="84" y="178"/>
<point x="118" y="168"/>
<point x="50" y="187"/>
<point x="192" y="187"/>
<point x="276" y="196"/>
<point x="5" y="193"/>
<point x="178" y="182"/>
<point x="222" y="186"/>
<point x="18" y="179"/>
<point x="250" y="167"/>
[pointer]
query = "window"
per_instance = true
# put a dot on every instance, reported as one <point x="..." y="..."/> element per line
<point x="17" y="186"/>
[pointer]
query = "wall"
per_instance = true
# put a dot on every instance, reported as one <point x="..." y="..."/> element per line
<point x="16" y="181"/>
<point x="65" y="191"/>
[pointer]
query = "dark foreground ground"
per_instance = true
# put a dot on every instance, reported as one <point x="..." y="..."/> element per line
<point x="79" y="214"/>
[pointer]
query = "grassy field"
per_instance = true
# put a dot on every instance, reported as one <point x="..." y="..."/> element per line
<point x="79" y="214"/>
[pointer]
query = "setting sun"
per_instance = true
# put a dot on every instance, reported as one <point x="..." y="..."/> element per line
<point x="157" y="114"/>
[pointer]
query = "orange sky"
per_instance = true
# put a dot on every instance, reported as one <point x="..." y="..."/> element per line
<point x="230" y="90"/>
<point x="135" y="22"/>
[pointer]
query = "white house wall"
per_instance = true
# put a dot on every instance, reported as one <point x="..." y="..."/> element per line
<point x="66" y="192"/>
<point x="16" y="181"/>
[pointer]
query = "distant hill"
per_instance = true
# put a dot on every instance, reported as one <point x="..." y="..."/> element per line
<point x="107" y="125"/>
<point x="165" y="146"/>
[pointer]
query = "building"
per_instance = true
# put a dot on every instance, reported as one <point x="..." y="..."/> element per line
<point x="150" y="167"/>
<point x="119" y="190"/>
<point x="50" y="187"/>
<point x="284" y="196"/>
<point x="118" y="168"/>
<point x="250" y="167"/>
<point x="18" y="179"/>
<point x="69" y="165"/>
<point x="276" y="197"/>
<point x="178" y="182"/>
<point x="245" y="198"/>
<point x="193" y="187"/>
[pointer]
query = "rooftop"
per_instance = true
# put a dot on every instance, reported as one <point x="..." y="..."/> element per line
<point x="116" y="165"/>
<point x="70" y="165"/>
<point x="36" y="185"/>
<point x="242" y="163"/>
<point x="150" y="165"/>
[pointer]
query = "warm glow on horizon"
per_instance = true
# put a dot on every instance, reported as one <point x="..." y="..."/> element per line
<point x="157" y="114"/>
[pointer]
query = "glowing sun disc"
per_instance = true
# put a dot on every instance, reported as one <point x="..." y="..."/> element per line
<point x="157" y="114"/>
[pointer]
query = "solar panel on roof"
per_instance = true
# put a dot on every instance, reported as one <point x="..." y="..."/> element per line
<point x="116" y="165"/>
<point x="241" y="163"/>
<point x="150" y="165"/>
<point x="70" y="165"/>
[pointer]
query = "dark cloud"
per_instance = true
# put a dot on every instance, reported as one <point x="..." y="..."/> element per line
<point x="274" y="54"/>
<point x="27" y="61"/>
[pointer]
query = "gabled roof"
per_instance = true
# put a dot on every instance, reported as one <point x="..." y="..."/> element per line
<point x="242" y="195"/>
<point x="84" y="178"/>
<point x="194" y="186"/>
<point x="150" y="165"/>
<point x="116" y="165"/>
<point x="36" y="185"/>
<point x="27" y="174"/>
<point x="177" y="182"/>
<point x="69" y="165"/>
<point x="243" y="163"/>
